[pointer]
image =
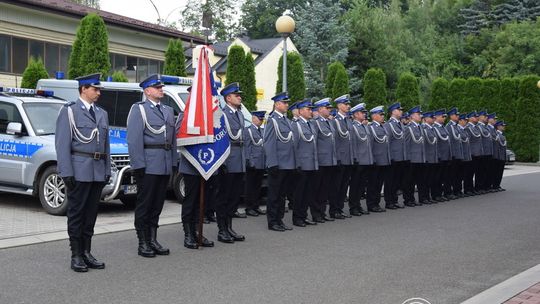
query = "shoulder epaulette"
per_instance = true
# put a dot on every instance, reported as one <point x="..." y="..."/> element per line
<point x="69" y="104"/>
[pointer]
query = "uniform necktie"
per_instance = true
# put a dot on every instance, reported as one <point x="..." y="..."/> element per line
<point x="92" y="113"/>
<point x="158" y="106"/>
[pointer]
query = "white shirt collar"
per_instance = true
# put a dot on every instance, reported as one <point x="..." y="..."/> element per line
<point x="394" y="119"/>
<point x="279" y="114"/>
<point x="377" y="123"/>
<point x="153" y="102"/>
<point x="414" y="122"/>
<point x="232" y="109"/>
<point x="342" y="116"/>
<point x="86" y="104"/>
<point x="438" y="124"/>
<point x="303" y="119"/>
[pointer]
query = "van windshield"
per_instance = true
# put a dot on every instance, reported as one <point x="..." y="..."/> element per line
<point x="42" y="116"/>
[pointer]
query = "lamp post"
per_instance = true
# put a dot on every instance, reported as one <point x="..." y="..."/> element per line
<point x="285" y="26"/>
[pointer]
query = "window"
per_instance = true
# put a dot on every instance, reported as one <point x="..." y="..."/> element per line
<point x="5" y="53"/>
<point x="131" y="68"/>
<point x="37" y="49"/>
<point x="107" y="100"/>
<point x="8" y="113"/>
<point x="123" y="105"/>
<point x="142" y="69"/>
<point x="119" y="62"/>
<point x="152" y="67"/>
<point x="168" y="101"/>
<point x="40" y="114"/>
<point x="51" y="57"/>
<point x="65" y="51"/>
<point x="20" y="61"/>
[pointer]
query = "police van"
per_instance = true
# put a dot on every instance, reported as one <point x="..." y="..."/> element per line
<point x="28" y="154"/>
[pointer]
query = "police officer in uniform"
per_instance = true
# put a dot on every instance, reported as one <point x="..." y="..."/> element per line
<point x="477" y="151"/>
<point x="255" y="163"/>
<point x="342" y="125"/>
<point x="399" y="163"/>
<point x="362" y="159"/>
<point x="151" y="138"/>
<point x="82" y="149"/>
<point x="500" y="155"/>
<point x="278" y="143"/>
<point x="456" y="146"/>
<point x="306" y="163"/>
<point x="381" y="159"/>
<point x="414" y="176"/>
<point x="493" y="162"/>
<point x="445" y="155"/>
<point x="432" y="159"/>
<point x="487" y="155"/>
<point x="230" y="187"/>
<point x="467" y="158"/>
<point x="327" y="159"/>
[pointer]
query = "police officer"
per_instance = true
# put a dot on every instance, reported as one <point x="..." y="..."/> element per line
<point x="399" y="163"/>
<point x="454" y="176"/>
<point x="255" y="163"/>
<point x="151" y="138"/>
<point x="477" y="151"/>
<point x="500" y="155"/>
<point x="230" y="187"/>
<point x="414" y="176"/>
<point x="432" y="159"/>
<point x="306" y="163"/>
<point x="444" y="153"/>
<point x="493" y="161"/>
<point x="327" y="159"/>
<point x="467" y="158"/>
<point x="82" y="149"/>
<point x="278" y="143"/>
<point x="342" y="126"/>
<point x="362" y="159"/>
<point x="405" y="118"/>
<point x="381" y="159"/>
<point x="487" y="155"/>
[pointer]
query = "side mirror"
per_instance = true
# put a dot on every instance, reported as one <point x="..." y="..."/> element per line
<point x="14" y="128"/>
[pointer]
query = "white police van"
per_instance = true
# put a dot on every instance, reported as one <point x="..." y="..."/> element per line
<point x="28" y="154"/>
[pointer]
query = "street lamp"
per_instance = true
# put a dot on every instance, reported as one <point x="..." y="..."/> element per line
<point x="285" y="26"/>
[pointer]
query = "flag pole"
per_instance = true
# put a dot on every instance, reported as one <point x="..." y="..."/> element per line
<point x="201" y="214"/>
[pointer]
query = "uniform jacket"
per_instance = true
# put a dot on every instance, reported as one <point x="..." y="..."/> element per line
<point x="455" y="140"/>
<point x="279" y="143"/>
<point x="253" y="147"/>
<point x="414" y="141"/>
<point x="305" y="145"/>
<point x="430" y="144"/>
<point x="466" y="143"/>
<point x="83" y="168"/>
<point x="342" y="126"/>
<point x="499" y="149"/>
<point x="236" y="162"/>
<point x="379" y="143"/>
<point x="443" y="143"/>
<point x="326" y="148"/>
<point x="361" y="143"/>
<point x="475" y="139"/>
<point x="394" y="129"/>
<point x="487" y="141"/>
<point x="155" y="161"/>
<point x="494" y="134"/>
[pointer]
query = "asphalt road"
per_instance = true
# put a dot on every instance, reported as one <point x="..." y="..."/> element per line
<point x="445" y="253"/>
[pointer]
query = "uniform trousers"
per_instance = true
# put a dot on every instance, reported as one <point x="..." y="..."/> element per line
<point x="440" y="178"/>
<point x="338" y="194"/>
<point x="151" y="191"/>
<point x="454" y="177"/>
<point x="303" y="195"/>
<point x="414" y="176"/>
<point x="83" y="201"/>
<point x="323" y="178"/>
<point x="483" y="173"/>
<point x="375" y="183"/>
<point x="230" y="189"/>
<point x="499" y="173"/>
<point x="464" y="182"/>
<point x="472" y="175"/>
<point x="254" y="179"/>
<point x="278" y="181"/>
<point x="191" y="202"/>
<point x="396" y="173"/>
<point x="359" y="181"/>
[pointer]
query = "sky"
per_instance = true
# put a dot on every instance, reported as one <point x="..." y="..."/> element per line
<point x="143" y="9"/>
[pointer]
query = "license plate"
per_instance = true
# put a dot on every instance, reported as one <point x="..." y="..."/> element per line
<point x="130" y="189"/>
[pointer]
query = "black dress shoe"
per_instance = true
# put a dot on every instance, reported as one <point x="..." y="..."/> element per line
<point x="400" y="206"/>
<point x="391" y="206"/>
<point x="206" y="242"/>
<point x="410" y="204"/>
<point x="308" y="222"/>
<point x="210" y="217"/>
<point x="251" y="212"/>
<point x="355" y="212"/>
<point x="78" y="264"/>
<point x="426" y="202"/>
<point x="377" y="209"/>
<point x="451" y="197"/>
<point x="338" y="216"/>
<point x="328" y="219"/>
<point x="299" y="223"/>
<point x="276" y="228"/>
<point x="361" y="210"/>
<point x="239" y="215"/>
<point x="318" y="220"/>
<point x="91" y="261"/>
<point x="260" y="211"/>
<point x="285" y="226"/>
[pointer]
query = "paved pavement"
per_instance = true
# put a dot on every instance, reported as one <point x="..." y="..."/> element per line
<point x="445" y="253"/>
<point x="529" y="296"/>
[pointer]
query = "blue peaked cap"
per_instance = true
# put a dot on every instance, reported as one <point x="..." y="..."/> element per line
<point x="259" y="114"/>
<point x="333" y="112"/>
<point x="416" y="109"/>
<point x="358" y="107"/>
<point x="441" y="112"/>
<point x="394" y="106"/>
<point x="482" y="113"/>
<point x="472" y="114"/>
<point x="283" y="96"/>
<point x="231" y="88"/>
<point x="91" y="80"/>
<point x="427" y="114"/>
<point x="325" y="102"/>
<point x="405" y="115"/>
<point x="500" y="123"/>
<point x="377" y="110"/>
<point x="462" y="116"/>
<point x="153" y="80"/>
<point x="453" y="111"/>
<point x="293" y="106"/>
<point x="492" y="116"/>
<point x="304" y="103"/>
<point x="343" y="99"/>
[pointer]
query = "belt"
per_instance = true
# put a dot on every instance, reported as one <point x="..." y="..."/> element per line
<point x="161" y="146"/>
<point x="237" y="143"/>
<point x="94" y="155"/>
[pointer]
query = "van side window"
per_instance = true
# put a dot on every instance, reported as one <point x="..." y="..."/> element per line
<point x="168" y="101"/>
<point x="107" y="100"/>
<point x="8" y="113"/>
<point x="123" y="104"/>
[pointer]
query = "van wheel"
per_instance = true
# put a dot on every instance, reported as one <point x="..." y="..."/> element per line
<point x="179" y="187"/>
<point x="129" y="201"/>
<point x="52" y="192"/>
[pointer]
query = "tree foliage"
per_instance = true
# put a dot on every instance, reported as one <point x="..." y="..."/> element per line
<point x="408" y="92"/>
<point x="330" y="77"/>
<point x="440" y="97"/>
<point x="119" y="76"/>
<point x="259" y="16"/>
<point x="527" y="136"/>
<point x="219" y="13"/>
<point x="175" y="60"/>
<point x="341" y="82"/>
<point x="374" y="87"/>
<point x="236" y="68"/>
<point x="296" y="86"/>
<point x="33" y="72"/>
<point x="249" y="98"/>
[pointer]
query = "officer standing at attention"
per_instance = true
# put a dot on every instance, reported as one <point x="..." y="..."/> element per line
<point x="500" y="147"/>
<point x="477" y="151"/>
<point x="494" y="161"/>
<point x="342" y="125"/>
<point x="327" y="159"/>
<point x="278" y="143"/>
<point x="362" y="159"/>
<point x="231" y="185"/>
<point x="399" y="164"/>
<point x="432" y="159"/>
<point x="445" y="155"/>
<point x="82" y="149"/>
<point x="467" y="158"/>
<point x="381" y="159"/>
<point x="487" y="155"/>
<point x="255" y="163"/>
<point x="414" y="176"/>
<point x="456" y="146"/>
<point x="151" y="138"/>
